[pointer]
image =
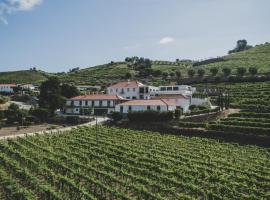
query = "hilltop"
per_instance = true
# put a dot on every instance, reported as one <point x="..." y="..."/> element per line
<point x="258" y="56"/>
<point x="23" y="76"/>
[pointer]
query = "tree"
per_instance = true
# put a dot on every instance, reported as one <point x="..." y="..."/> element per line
<point x="165" y="74"/>
<point x="178" y="74"/>
<point x="50" y="95"/>
<point x="191" y="73"/>
<point x="69" y="91"/>
<point x="241" y="45"/>
<point x="253" y="71"/>
<point x="172" y="74"/>
<point x="226" y="71"/>
<point x="177" y="113"/>
<point x="201" y="72"/>
<point x="157" y="72"/>
<point x="128" y="75"/>
<point x="241" y="71"/>
<point x="214" y="71"/>
<point x="15" y="114"/>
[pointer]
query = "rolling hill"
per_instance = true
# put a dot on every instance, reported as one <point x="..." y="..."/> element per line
<point x="258" y="56"/>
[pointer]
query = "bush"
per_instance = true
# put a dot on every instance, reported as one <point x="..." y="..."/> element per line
<point x="73" y="119"/>
<point x="40" y="113"/>
<point x="150" y="116"/>
<point x="116" y="116"/>
<point x="177" y="113"/>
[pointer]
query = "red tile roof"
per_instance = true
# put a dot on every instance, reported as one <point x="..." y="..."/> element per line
<point x="97" y="97"/>
<point x="12" y="85"/>
<point x="131" y="84"/>
<point x="150" y="102"/>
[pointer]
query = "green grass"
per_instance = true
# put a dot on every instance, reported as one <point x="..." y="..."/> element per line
<point x="127" y="164"/>
<point x="24" y="76"/>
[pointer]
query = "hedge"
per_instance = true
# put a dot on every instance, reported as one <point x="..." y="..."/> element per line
<point x="250" y="115"/>
<point x="192" y="125"/>
<point x="149" y="116"/>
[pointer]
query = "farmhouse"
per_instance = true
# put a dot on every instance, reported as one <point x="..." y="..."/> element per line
<point x="144" y="105"/>
<point x="131" y="90"/>
<point x="7" y="88"/>
<point x="97" y="104"/>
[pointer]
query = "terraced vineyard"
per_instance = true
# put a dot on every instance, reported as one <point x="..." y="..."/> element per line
<point x="127" y="164"/>
<point x="254" y="101"/>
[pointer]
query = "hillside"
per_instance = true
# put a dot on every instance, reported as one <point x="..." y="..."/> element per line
<point x="258" y="56"/>
<point x="24" y="76"/>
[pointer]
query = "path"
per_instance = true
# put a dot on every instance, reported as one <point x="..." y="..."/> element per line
<point x="59" y="130"/>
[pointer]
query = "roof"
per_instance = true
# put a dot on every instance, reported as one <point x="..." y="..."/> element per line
<point x="14" y="85"/>
<point x="97" y="97"/>
<point x="170" y="96"/>
<point x="131" y="84"/>
<point x="150" y="102"/>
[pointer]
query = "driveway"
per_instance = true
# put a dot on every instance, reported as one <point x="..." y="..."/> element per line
<point x="57" y="130"/>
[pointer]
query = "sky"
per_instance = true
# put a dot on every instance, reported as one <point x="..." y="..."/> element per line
<point x="57" y="35"/>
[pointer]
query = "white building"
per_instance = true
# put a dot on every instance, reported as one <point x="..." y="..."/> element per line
<point x="28" y="87"/>
<point x="7" y="88"/>
<point x="131" y="90"/>
<point x="88" y="88"/>
<point x="181" y="102"/>
<point x="95" y="104"/>
<point x="144" y="105"/>
<point x="185" y="90"/>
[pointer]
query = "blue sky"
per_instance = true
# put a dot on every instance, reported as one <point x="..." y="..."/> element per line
<point x="56" y="35"/>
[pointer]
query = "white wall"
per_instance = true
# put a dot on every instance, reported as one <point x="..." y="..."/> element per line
<point x="198" y="101"/>
<point x="143" y="108"/>
<point x="127" y="93"/>
<point x="5" y="88"/>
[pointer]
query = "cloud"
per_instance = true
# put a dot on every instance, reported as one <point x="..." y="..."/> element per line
<point x="12" y="6"/>
<point x="166" y="40"/>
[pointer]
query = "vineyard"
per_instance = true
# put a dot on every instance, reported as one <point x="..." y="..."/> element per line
<point x="254" y="101"/>
<point x="126" y="164"/>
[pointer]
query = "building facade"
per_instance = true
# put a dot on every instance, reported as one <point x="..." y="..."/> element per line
<point x="144" y="105"/>
<point x="7" y="88"/>
<point x="97" y="104"/>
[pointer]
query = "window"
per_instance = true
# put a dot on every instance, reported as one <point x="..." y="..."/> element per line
<point x="129" y="108"/>
<point x="109" y="103"/>
<point x="80" y="103"/>
<point x="86" y="103"/>
<point x="128" y="97"/>
<point x="100" y="103"/>
<point x="134" y="89"/>
<point x="169" y="88"/>
<point x="148" y="108"/>
<point x="158" y="108"/>
<point x="127" y="89"/>
<point x="121" y="109"/>
<point x="93" y="103"/>
<point x="141" y="90"/>
<point x="163" y="89"/>
<point x="116" y="90"/>
<point x="134" y="97"/>
<point x="175" y="88"/>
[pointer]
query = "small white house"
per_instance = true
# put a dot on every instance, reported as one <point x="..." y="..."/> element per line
<point x="7" y="88"/>
<point x="185" y="90"/>
<point x="28" y="87"/>
<point x="95" y="104"/>
<point x="88" y="88"/>
<point x="144" y="105"/>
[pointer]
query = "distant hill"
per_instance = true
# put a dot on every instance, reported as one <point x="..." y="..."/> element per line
<point x="258" y="56"/>
<point x="24" y="76"/>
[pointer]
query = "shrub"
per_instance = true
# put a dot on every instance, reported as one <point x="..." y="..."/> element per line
<point x="177" y="113"/>
<point x="40" y="113"/>
<point x="241" y="71"/>
<point x="214" y="71"/>
<point x="201" y="72"/>
<point x="72" y="119"/>
<point x="150" y="116"/>
<point x="191" y="73"/>
<point x="252" y="70"/>
<point x="116" y="116"/>
<point x="226" y="71"/>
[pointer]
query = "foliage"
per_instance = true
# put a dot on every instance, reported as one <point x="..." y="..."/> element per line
<point x="177" y="113"/>
<point x="113" y="163"/>
<point x="116" y="116"/>
<point x="226" y="71"/>
<point x="15" y="114"/>
<point x="191" y="72"/>
<point x="149" y="116"/>
<point x="50" y="95"/>
<point x="252" y="70"/>
<point x="240" y="46"/>
<point x="69" y="91"/>
<point x="241" y="71"/>
<point x="214" y="71"/>
<point x="72" y="119"/>
<point x="41" y="114"/>
<point x="201" y="72"/>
